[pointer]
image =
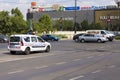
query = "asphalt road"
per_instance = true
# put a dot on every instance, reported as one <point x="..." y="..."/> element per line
<point x="66" y="61"/>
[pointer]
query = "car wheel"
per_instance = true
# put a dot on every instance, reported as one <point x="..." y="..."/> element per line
<point x="47" y="49"/>
<point x="99" y="41"/>
<point x="82" y="40"/>
<point x="76" y="40"/>
<point x="27" y="51"/>
<point x="12" y="52"/>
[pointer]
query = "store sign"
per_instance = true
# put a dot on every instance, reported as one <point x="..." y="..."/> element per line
<point x="72" y="8"/>
<point x="109" y="17"/>
<point x="92" y="7"/>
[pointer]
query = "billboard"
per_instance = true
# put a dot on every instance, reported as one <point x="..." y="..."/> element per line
<point x="72" y="8"/>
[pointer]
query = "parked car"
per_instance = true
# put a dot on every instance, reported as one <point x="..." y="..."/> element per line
<point x="49" y="37"/>
<point x="76" y="37"/>
<point x="105" y="33"/>
<point x="92" y="38"/>
<point x="27" y="43"/>
<point x="3" y="38"/>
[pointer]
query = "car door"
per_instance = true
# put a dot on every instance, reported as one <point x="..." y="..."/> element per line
<point x="41" y="44"/>
<point x="92" y="37"/>
<point x="87" y="37"/>
<point x="35" y="43"/>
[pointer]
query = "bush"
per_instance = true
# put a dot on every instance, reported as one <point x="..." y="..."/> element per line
<point x="117" y="37"/>
<point x="61" y="36"/>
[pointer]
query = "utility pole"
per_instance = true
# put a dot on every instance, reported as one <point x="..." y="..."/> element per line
<point x="75" y="17"/>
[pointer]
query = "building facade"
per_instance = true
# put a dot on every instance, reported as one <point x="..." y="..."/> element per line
<point x="106" y="17"/>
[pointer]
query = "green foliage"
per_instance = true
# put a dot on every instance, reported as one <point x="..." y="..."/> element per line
<point x="115" y="27"/>
<point x="117" y="37"/>
<point x="5" y="22"/>
<point x="10" y="24"/>
<point x="67" y="25"/>
<point x="61" y="36"/>
<point x="45" y="23"/>
<point x="19" y="25"/>
<point x="95" y="26"/>
<point x="16" y="12"/>
<point x="85" y="25"/>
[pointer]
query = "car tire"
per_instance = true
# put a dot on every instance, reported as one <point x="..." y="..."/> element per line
<point x="27" y="51"/>
<point x="82" y="40"/>
<point x="52" y="40"/>
<point x="76" y="40"/>
<point x="47" y="49"/>
<point x="12" y="52"/>
<point x="99" y="41"/>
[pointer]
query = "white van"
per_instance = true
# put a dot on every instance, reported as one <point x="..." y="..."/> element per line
<point x="105" y="33"/>
<point x="27" y="43"/>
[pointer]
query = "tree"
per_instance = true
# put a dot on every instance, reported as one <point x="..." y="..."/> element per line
<point x="45" y="23"/>
<point x="84" y="25"/>
<point x="19" y="25"/>
<point x="5" y="22"/>
<point x="16" y="12"/>
<point x="95" y="26"/>
<point x="67" y="25"/>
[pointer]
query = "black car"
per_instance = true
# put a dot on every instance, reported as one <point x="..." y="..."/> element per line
<point x="3" y="38"/>
<point x="49" y="37"/>
<point x="76" y="37"/>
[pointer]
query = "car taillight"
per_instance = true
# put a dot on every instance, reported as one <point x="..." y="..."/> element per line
<point x="22" y="44"/>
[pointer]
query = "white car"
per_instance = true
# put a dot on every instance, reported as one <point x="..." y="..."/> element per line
<point x="92" y="38"/>
<point x="27" y="43"/>
<point x="110" y="36"/>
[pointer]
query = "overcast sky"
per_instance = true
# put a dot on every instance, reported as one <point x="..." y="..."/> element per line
<point x="23" y="5"/>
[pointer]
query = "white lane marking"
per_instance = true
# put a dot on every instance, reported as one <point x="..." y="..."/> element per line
<point x="40" y="67"/>
<point x="90" y="57"/>
<point x="15" y="59"/>
<point x="60" y="63"/>
<point x="13" y="72"/>
<point x="78" y="77"/>
<point x="76" y="59"/>
<point x="97" y="71"/>
<point x="111" y="66"/>
<point x="100" y="54"/>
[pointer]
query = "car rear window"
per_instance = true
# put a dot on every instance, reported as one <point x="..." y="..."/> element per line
<point x="15" y="39"/>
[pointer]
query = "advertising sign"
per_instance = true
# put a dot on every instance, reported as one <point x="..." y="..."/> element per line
<point x="72" y="8"/>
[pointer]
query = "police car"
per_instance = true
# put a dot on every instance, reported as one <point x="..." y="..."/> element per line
<point x="27" y="43"/>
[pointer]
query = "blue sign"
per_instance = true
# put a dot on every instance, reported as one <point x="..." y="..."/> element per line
<point x="72" y="8"/>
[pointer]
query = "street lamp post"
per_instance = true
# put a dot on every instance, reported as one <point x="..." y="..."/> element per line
<point x="75" y="17"/>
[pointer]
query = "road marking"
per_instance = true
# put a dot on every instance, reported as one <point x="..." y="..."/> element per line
<point x="13" y="72"/>
<point x="15" y="59"/>
<point x="60" y="63"/>
<point x="100" y="54"/>
<point x="78" y="77"/>
<point x="112" y="66"/>
<point x="40" y="67"/>
<point x="90" y="57"/>
<point x="76" y="59"/>
<point x="97" y="71"/>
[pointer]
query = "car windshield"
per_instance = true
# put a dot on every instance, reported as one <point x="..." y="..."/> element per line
<point x="2" y="36"/>
<point x="15" y="39"/>
<point x="108" y="32"/>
